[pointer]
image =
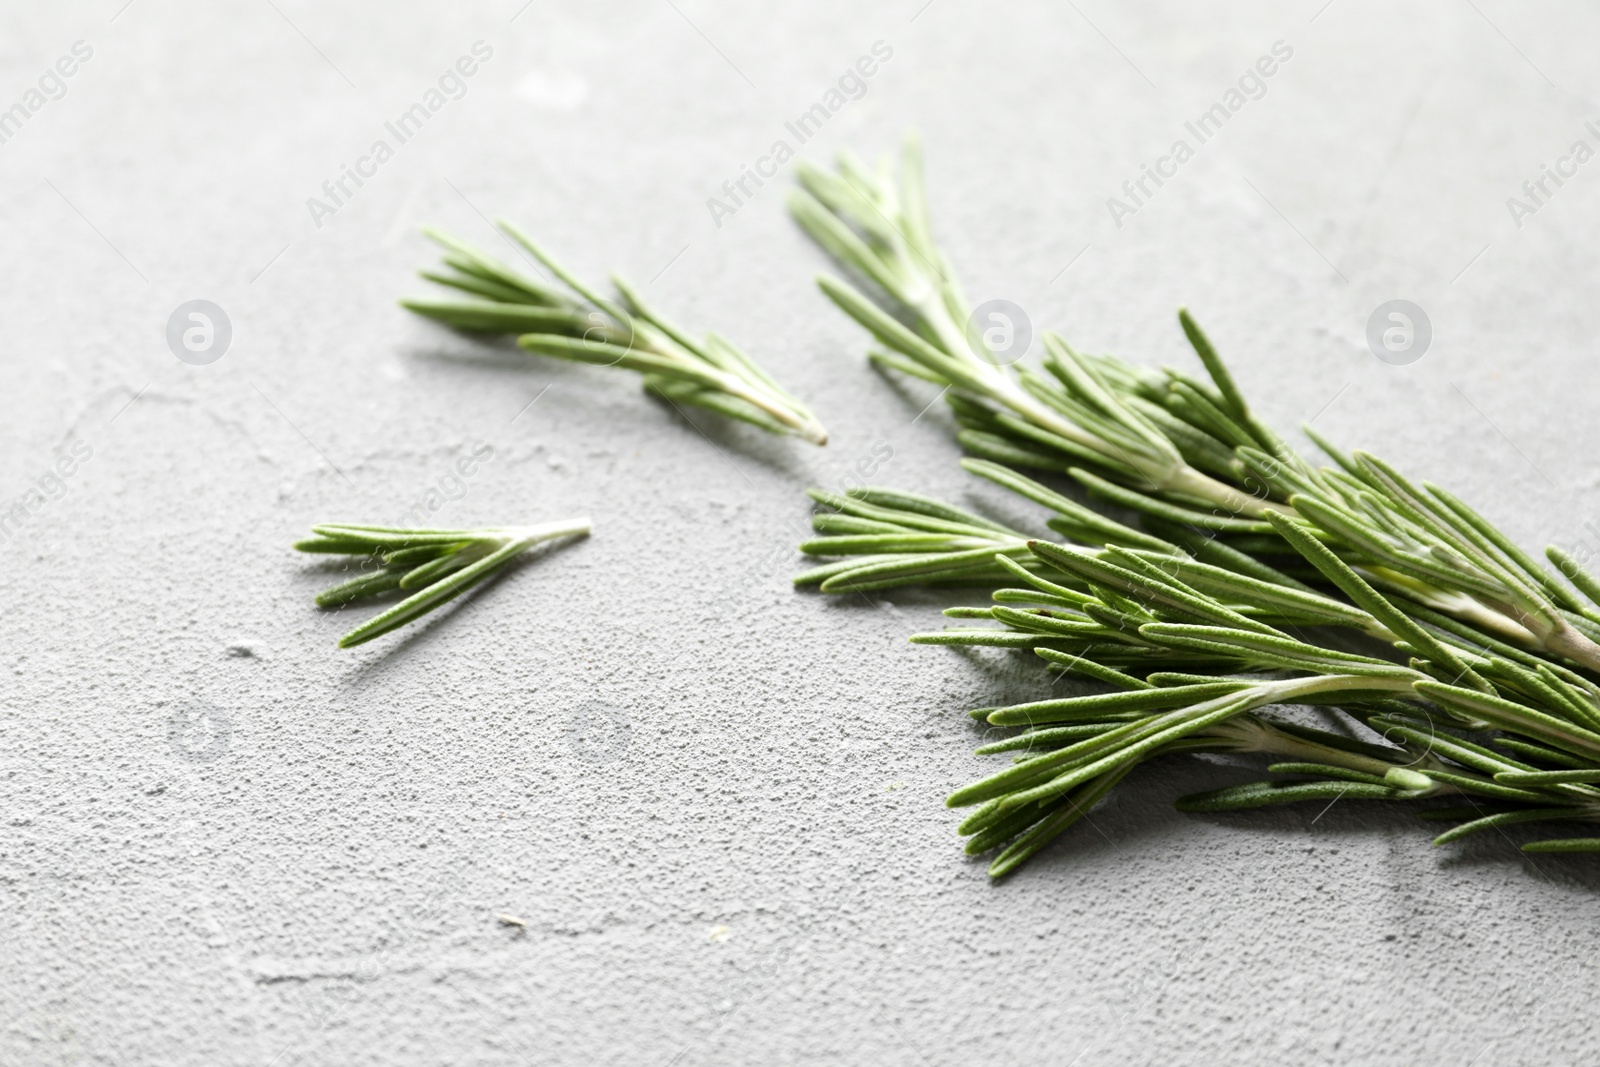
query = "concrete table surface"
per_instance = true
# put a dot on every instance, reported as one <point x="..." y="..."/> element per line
<point x="716" y="804"/>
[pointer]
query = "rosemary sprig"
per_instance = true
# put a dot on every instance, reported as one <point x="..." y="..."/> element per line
<point x="434" y="565"/>
<point x="880" y="231"/>
<point x="1140" y="440"/>
<point x="582" y="326"/>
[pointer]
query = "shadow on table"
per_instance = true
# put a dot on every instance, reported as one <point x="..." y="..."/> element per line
<point x="423" y="632"/>
<point x="726" y="435"/>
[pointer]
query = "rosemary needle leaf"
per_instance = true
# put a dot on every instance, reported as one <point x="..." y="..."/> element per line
<point x="1264" y="794"/>
<point x="1081" y="664"/>
<point x="1504" y="818"/>
<point x="344" y="546"/>
<point x="896" y="362"/>
<point x="1575" y="573"/>
<point x="1340" y="574"/>
<point x="484" y="317"/>
<point x="388" y="536"/>
<point x="1214" y="365"/>
<point x="1071" y="709"/>
<point x="1003" y="450"/>
<point x="1569" y="844"/>
<point x="419" y="604"/>
<point x="435" y="569"/>
<point x="1326" y="770"/>
<point x="439" y="564"/>
<point x="1137" y="501"/>
<point x="364" y="585"/>
<point x="1035" y="739"/>
<point x="471" y="283"/>
<point x="472" y="262"/>
<point x="921" y="505"/>
<point x="1002" y="825"/>
<point x="1509" y="715"/>
<point x="1540" y="752"/>
<point x="420" y="554"/>
<point x="1585" y="775"/>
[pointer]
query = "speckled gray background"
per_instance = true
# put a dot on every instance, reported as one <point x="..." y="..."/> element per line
<point x="717" y="803"/>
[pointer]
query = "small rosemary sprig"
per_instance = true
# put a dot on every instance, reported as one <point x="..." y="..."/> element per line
<point x="585" y="327"/>
<point x="435" y="566"/>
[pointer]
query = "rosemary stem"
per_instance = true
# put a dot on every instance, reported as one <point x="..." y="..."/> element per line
<point x="528" y="536"/>
<point x="1268" y="740"/>
<point x="932" y="309"/>
<point x="1185" y="479"/>
<point x="807" y="428"/>
<point x="1566" y="640"/>
<point x="1290" y="689"/>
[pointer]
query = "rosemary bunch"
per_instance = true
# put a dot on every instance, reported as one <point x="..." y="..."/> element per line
<point x="1187" y="455"/>
<point x="1250" y="578"/>
<point x="583" y="326"/>
<point x="435" y="566"/>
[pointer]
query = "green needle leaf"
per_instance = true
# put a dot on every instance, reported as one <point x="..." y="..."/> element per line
<point x="1587" y="774"/>
<point x="1265" y="794"/>
<point x="1569" y="844"/>
<point x="1500" y="819"/>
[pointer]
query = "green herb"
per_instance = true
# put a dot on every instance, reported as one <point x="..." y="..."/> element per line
<point x="880" y="231"/>
<point x="1251" y="578"/>
<point x="1186" y="454"/>
<point x="435" y="566"/>
<point x="580" y="325"/>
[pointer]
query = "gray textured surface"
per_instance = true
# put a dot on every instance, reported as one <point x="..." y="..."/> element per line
<point x="717" y="804"/>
